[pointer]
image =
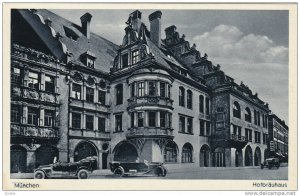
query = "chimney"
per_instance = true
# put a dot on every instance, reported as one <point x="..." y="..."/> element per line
<point x="136" y="20"/>
<point x="85" y="24"/>
<point x="155" y="27"/>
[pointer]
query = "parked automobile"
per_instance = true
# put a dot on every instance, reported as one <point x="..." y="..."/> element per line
<point x="80" y="169"/>
<point x="270" y="163"/>
<point x="137" y="169"/>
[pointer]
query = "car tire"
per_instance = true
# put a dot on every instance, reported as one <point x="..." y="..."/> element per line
<point x="39" y="175"/>
<point x="160" y="171"/>
<point x="270" y="167"/>
<point x="119" y="172"/>
<point x="83" y="174"/>
<point x="165" y="172"/>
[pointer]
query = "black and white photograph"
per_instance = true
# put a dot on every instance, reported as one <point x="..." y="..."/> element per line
<point x="149" y="94"/>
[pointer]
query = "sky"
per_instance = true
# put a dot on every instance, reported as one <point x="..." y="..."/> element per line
<point x="251" y="46"/>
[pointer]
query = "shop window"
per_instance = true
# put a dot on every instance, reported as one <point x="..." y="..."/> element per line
<point x="76" y="120"/>
<point x="118" y="122"/>
<point x="119" y="93"/>
<point x="48" y="118"/>
<point x="76" y="91"/>
<point x="89" y="122"/>
<point x="187" y="153"/>
<point x="33" y="80"/>
<point x="236" y="110"/>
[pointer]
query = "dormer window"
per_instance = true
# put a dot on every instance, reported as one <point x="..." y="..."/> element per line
<point x="88" y="58"/>
<point x="135" y="57"/>
<point x="125" y="60"/>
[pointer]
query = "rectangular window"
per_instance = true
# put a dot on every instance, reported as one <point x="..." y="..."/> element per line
<point x="170" y="120"/>
<point x="141" y="89"/>
<point x="118" y="122"/>
<point x="258" y="118"/>
<point x="49" y="83"/>
<point x="255" y="117"/>
<point x="152" y="88"/>
<point x="162" y="119"/>
<point x="15" y="113"/>
<point x="201" y="104"/>
<point x="135" y="57"/>
<point x="207" y="128"/>
<point x="33" y="114"/>
<point x="190" y="125"/>
<point x="207" y="105"/>
<point x="48" y="118"/>
<point x="152" y="117"/>
<point x="181" y="124"/>
<point x="202" y="127"/>
<point x="76" y="91"/>
<point x="90" y="63"/>
<point x="125" y="60"/>
<point x="101" y="97"/>
<point x="33" y="80"/>
<point x="189" y="102"/>
<point x="132" y="120"/>
<point x="132" y="89"/>
<point x="89" y="94"/>
<point x="169" y="91"/>
<point x="76" y="120"/>
<point x="101" y="124"/>
<point x="89" y="125"/>
<point x="162" y="89"/>
<point x="16" y="76"/>
<point x="119" y="93"/>
<point x="140" y="119"/>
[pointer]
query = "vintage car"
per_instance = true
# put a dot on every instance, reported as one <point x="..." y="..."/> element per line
<point x="270" y="163"/>
<point x="137" y="169"/>
<point x="80" y="169"/>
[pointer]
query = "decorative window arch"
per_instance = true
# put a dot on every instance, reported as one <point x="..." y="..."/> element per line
<point x="181" y="96"/>
<point x="187" y="153"/>
<point x="236" y="110"/>
<point x="189" y="97"/>
<point x="247" y="114"/>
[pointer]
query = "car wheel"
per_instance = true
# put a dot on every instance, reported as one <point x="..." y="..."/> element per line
<point x="83" y="174"/>
<point x="161" y="171"/>
<point x="119" y="172"/>
<point x="270" y="167"/>
<point x="164" y="173"/>
<point x="39" y="175"/>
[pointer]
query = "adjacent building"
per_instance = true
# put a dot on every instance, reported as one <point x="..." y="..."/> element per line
<point x="75" y="94"/>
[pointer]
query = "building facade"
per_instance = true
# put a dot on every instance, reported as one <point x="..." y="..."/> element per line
<point x="75" y="94"/>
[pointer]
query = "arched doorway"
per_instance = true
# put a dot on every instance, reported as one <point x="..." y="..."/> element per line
<point x="83" y="150"/>
<point x="171" y="152"/>
<point x="219" y="157"/>
<point x="45" y="155"/>
<point x="248" y="156"/>
<point x="126" y="152"/>
<point x="238" y="158"/>
<point x="187" y="153"/>
<point x="18" y="159"/>
<point x="204" y="156"/>
<point x="257" y="156"/>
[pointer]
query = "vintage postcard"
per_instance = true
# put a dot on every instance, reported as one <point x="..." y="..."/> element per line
<point x="149" y="96"/>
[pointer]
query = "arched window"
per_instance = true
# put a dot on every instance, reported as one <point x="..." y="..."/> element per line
<point x="201" y="103"/>
<point x="247" y="115"/>
<point x="189" y="97"/>
<point x="181" y="96"/>
<point x="236" y="110"/>
<point x="187" y="153"/>
<point x="119" y="94"/>
<point x="170" y="152"/>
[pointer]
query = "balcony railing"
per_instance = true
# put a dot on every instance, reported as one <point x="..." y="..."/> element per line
<point x="26" y="131"/>
<point x="27" y="93"/>
<point x="150" y="100"/>
<point x="155" y="132"/>
<point x="238" y="138"/>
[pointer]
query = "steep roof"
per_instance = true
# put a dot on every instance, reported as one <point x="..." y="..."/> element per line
<point x="73" y="40"/>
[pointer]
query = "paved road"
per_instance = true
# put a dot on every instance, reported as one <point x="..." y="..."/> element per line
<point x="220" y="173"/>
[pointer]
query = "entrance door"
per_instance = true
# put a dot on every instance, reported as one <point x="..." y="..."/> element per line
<point x="18" y="159"/>
<point x="104" y="160"/>
<point x="83" y="150"/>
<point x="45" y="155"/>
